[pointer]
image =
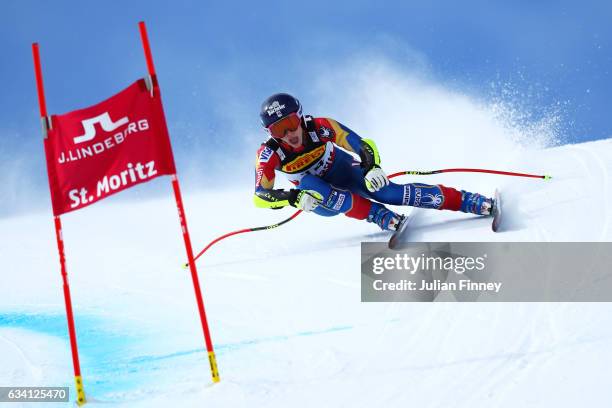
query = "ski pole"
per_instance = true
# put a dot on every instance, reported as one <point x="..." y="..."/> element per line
<point x="465" y="170"/>
<point x="229" y="234"/>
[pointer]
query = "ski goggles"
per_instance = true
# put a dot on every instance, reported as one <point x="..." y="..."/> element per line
<point x="288" y="123"/>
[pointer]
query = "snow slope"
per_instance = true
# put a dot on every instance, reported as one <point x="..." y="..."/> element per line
<point x="284" y="305"/>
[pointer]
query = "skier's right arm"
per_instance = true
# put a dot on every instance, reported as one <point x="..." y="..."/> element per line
<point x="265" y="195"/>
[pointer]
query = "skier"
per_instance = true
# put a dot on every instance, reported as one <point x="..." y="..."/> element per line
<point x="312" y="152"/>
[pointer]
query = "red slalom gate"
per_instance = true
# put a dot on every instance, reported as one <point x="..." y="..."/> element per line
<point x="92" y="153"/>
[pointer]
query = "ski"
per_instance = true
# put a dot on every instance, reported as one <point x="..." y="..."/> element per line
<point x="396" y="238"/>
<point x="497" y="212"/>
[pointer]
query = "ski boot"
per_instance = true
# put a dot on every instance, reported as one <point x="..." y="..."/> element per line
<point x="386" y="219"/>
<point x="475" y="203"/>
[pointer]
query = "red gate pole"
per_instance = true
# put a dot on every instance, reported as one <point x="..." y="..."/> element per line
<point x="80" y="391"/>
<point x="183" y="220"/>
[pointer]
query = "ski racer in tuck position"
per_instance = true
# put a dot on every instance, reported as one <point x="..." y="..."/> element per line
<point x="312" y="152"/>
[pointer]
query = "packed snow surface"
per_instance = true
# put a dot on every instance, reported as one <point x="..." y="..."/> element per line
<point x="284" y="305"/>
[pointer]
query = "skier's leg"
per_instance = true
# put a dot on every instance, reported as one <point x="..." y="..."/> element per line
<point x="424" y="196"/>
<point x="434" y="196"/>
<point x="336" y="200"/>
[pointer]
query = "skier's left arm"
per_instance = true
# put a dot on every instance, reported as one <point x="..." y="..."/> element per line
<point x="375" y="177"/>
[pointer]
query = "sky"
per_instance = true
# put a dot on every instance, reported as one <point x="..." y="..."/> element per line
<point x="217" y="61"/>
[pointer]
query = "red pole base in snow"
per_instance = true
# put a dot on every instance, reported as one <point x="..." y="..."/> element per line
<point x="196" y="282"/>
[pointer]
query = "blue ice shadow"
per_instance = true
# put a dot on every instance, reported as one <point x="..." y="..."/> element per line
<point x="101" y="351"/>
<point x="112" y="361"/>
<point x="224" y="348"/>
